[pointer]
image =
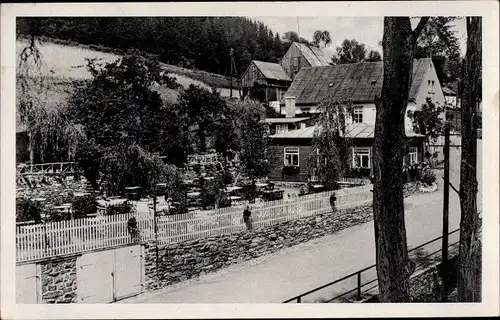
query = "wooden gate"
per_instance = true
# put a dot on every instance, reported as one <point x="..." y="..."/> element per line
<point x="129" y="272"/>
<point x="94" y="273"/>
<point x="107" y="276"/>
<point x="28" y="283"/>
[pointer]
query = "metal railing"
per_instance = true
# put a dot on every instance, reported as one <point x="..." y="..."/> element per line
<point x="357" y="274"/>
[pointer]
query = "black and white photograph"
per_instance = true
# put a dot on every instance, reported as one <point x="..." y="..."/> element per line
<point x="246" y="158"/>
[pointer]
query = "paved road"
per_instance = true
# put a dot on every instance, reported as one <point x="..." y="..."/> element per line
<point x="292" y="271"/>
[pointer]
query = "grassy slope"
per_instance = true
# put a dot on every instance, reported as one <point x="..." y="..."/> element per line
<point x="67" y="59"/>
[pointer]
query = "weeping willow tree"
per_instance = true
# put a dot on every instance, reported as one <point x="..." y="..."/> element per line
<point x="330" y="158"/>
<point x="52" y="136"/>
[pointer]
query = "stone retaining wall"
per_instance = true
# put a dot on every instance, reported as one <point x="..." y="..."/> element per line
<point x="59" y="281"/>
<point x="191" y="259"/>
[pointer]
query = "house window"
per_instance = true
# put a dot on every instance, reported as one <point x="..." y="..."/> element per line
<point x="357" y="115"/>
<point x="296" y="64"/>
<point x="281" y="128"/>
<point x="361" y="158"/>
<point x="431" y="87"/>
<point x="291" y="156"/>
<point x="413" y="155"/>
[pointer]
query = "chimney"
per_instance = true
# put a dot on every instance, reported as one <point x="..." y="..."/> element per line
<point x="290" y="107"/>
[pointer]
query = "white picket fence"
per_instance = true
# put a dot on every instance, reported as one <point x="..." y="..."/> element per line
<point x="72" y="236"/>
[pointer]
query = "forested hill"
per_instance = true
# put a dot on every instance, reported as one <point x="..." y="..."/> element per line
<point x="192" y="42"/>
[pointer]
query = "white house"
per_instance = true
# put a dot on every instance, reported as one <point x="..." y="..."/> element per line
<point x="360" y="83"/>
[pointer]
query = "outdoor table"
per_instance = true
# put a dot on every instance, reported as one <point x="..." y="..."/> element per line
<point x="117" y="201"/>
<point x="233" y="198"/>
<point x="132" y="188"/>
<point x="39" y="199"/>
<point x="81" y="194"/>
<point x="193" y="194"/>
<point x="231" y="189"/>
<point x="61" y="207"/>
<point x="260" y="185"/>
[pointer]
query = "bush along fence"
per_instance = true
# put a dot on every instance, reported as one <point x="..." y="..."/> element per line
<point x="50" y="239"/>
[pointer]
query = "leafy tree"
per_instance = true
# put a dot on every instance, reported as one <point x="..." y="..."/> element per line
<point x="205" y="110"/>
<point x="278" y="47"/>
<point x="192" y="42"/>
<point x="130" y="165"/>
<point x="291" y="36"/>
<point x="351" y="51"/>
<point x="439" y="42"/>
<point x="321" y="38"/>
<point x="121" y="117"/>
<point x="393" y="264"/>
<point x="427" y="120"/>
<point x="28" y="210"/>
<point x="211" y="191"/>
<point x="255" y="156"/>
<point x="469" y="258"/>
<point x="331" y="159"/>
<point x="373" y="56"/>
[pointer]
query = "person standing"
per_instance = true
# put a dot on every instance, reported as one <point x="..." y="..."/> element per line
<point x="247" y="217"/>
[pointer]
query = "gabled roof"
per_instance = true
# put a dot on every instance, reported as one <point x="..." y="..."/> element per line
<point x="272" y="70"/>
<point x="315" y="56"/>
<point x="359" y="82"/>
<point x="353" y="130"/>
<point x="285" y="120"/>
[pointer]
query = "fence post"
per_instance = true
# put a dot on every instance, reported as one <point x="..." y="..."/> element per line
<point x="298" y="299"/>
<point x="359" y="286"/>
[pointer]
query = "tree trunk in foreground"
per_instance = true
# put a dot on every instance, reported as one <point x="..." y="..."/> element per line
<point x="393" y="265"/>
<point x="469" y="289"/>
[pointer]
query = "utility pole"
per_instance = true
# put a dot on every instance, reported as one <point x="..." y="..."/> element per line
<point x="298" y="29"/>
<point x="444" y="254"/>
<point x="231" y="54"/>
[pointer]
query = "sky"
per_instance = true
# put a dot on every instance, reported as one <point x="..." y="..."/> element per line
<point x="367" y="30"/>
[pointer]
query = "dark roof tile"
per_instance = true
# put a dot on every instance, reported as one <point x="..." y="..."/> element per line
<point x="359" y="82"/>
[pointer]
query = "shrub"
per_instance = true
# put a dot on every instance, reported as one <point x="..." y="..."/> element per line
<point x="228" y="177"/>
<point x="122" y="208"/>
<point x="28" y="210"/>
<point x="224" y="201"/>
<point x="428" y="177"/>
<point x="210" y="191"/>
<point x="83" y="206"/>
<point x="58" y="216"/>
